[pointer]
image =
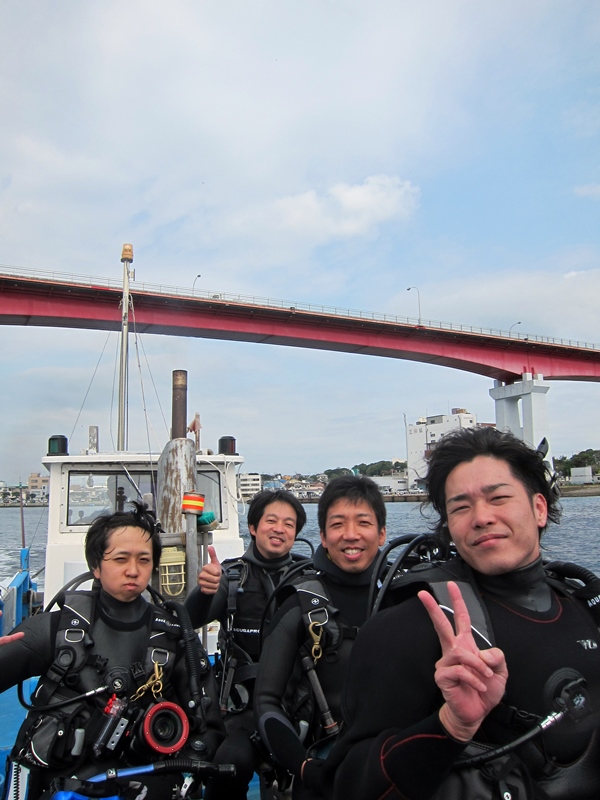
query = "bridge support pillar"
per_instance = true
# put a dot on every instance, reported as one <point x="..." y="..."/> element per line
<point x="529" y="420"/>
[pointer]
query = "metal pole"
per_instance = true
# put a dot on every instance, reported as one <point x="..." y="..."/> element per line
<point x="179" y="405"/>
<point x="512" y="326"/>
<point x="418" y="299"/>
<point x="127" y="260"/>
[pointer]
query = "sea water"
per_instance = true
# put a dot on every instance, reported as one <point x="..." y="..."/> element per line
<point x="577" y="538"/>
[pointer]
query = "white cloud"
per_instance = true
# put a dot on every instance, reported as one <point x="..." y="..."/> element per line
<point x="343" y="211"/>
<point x="591" y="190"/>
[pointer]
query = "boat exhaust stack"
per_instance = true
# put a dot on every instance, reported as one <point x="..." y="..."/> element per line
<point x="179" y="409"/>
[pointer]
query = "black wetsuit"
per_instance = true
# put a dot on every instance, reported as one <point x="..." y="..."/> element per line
<point x="121" y="637"/>
<point x="394" y="744"/>
<point x="262" y="577"/>
<point x="280" y="682"/>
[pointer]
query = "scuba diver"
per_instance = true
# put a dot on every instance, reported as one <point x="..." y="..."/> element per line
<point x="124" y="682"/>
<point x="499" y="697"/>
<point x="304" y="660"/>
<point x="236" y="594"/>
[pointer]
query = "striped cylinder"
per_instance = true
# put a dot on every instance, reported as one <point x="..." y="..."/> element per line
<point x="193" y="503"/>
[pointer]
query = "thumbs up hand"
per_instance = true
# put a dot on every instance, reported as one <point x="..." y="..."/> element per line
<point x="210" y="575"/>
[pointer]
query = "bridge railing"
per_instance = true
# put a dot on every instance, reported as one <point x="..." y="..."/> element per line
<point x="269" y="302"/>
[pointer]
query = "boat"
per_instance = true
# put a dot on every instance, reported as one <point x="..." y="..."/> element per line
<point x="193" y="491"/>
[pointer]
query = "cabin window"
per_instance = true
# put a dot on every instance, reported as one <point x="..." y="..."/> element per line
<point x="209" y="484"/>
<point x="92" y="493"/>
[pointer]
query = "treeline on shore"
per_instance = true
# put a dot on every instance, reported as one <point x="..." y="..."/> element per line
<point x="562" y="464"/>
<point x="585" y="458"/>
<point x="376" y="468"/>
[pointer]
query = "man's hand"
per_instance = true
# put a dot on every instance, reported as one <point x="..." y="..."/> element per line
<point x="12" y="637"/>
<point x="471" y="680"/>
<point x="210" y="575"/>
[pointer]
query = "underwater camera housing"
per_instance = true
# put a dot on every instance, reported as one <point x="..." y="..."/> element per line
<point x="165" y="727"/>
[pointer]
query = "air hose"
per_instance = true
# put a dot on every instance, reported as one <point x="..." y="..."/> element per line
<point x="573" y="702"/>
<point x="190" y="640"/>
<point x="204" y="768"/>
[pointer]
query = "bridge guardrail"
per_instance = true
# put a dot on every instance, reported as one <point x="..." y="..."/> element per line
<point x="267" y="302"/>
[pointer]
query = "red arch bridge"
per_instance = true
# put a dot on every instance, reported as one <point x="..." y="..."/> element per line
<point x="517" y="362"/>
<point x="69" y="301"/>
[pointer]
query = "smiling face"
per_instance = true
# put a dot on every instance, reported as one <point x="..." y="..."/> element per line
<point x="492" y="520"/>
<point x="126" y="567"/>
<point x="352" y="537"/>
<point x="276" y="530"/>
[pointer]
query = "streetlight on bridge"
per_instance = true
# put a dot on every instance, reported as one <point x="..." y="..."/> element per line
<point x="194" y="283"/>
<point x="512" y="326"/>
<point x="418" y="299"/>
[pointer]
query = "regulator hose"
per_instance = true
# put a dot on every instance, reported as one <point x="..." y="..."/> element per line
<point x="192" y="657"/>
<point x="204" y="768"/>
<point x="568" y="570"/>
<point x="382" y="562"/>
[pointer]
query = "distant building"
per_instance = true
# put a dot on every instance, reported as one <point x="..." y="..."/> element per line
<point x="423" y="436"/>
<point x="249" y="483"/>
<point x="273" y="485"/>
<point x="38" y="483"/>
<point x="581" y="475"/>
<point x="305" y="489"/>
<point x="391" y="484"/>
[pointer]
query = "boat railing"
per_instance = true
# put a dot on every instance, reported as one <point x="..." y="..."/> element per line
<point x="16" y="598"/>
<point x="287" y="305"/>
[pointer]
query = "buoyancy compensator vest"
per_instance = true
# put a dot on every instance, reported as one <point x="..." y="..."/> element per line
<point x="507" y="770"/>
<point x="313" y="701"/>
<point x="249" y="586"/>
<point x="90" y="705"/>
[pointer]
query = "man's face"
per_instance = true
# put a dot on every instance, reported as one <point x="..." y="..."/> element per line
<point x="491" y="518"/>
<point x="352" y="537"/>
<point x="276" y="530"/>
<point x="126" y="567"/>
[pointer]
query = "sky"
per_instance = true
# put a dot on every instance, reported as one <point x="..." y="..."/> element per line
<point x="324" y="152"/>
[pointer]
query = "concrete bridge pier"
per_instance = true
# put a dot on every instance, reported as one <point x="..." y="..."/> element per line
<point x="521" y="408"/>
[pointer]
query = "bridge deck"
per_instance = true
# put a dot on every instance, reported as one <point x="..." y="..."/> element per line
<point x="94" y="304"/>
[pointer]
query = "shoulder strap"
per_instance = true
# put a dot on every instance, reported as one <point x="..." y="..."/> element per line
<point x="318" y="613"/>
<point x="73" y="642"/>
<point x="434" y="578"/>
<point x="237" y="573"/>
<point x="165" y="634"/>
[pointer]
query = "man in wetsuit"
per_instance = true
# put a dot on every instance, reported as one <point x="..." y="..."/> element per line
<point x="128" y="655"/>
<point x="418" y="693"/>
<point x="236" y="594"/>
<point x="352" y="519"/>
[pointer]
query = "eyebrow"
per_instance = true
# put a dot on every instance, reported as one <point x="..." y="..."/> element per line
<point x="361" y="515"/>
<point x="115" y="552"/>
<point x="485" y="489"/>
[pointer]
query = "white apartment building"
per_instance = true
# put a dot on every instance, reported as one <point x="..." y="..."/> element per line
<point x="391" y="484"/>
<point x="423" y="436"/>
<point x="249" y="483"/>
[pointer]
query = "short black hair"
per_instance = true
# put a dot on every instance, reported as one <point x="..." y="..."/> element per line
<point x="526" y="465"/>
<point x="260" y="501"/>
<point x="96" y="539"/>
<point x="354" y="488"/>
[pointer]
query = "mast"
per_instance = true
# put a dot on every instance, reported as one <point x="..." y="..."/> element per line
<point x="127" y="260"/>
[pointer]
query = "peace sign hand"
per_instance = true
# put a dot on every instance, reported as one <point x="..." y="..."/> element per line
<point x="472" y="681"/>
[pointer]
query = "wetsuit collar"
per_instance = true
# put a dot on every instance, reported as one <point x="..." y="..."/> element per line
<point x="122" y="612"/>
<point x="323" y="563"/>
<point x="253" y="556"/>
<point x="524" y="587"/>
